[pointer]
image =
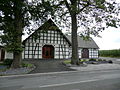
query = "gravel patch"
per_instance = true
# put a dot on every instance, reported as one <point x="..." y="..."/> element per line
<point x="17" y="71"/>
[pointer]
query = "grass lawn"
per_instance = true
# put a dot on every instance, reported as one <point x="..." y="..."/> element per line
<point x="67" y="61"/>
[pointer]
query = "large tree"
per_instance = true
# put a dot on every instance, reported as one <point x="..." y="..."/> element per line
<point x="15" y="17"/>
<point x="91" y="16"/>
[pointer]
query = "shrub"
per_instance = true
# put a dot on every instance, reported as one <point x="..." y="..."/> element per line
<point x="92" y="59"/>
<point x="100" y="60"/>
<point x="104" y="59"/>
<point x="110" y="61"/>
<point x="8" y="62"/>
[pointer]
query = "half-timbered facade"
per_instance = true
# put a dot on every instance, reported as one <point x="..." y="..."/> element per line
<point x="86" y="48"/>
<point x="48" y="42"/>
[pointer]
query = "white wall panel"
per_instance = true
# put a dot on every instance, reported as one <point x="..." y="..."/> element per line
<point x="37" y="41"/>
<point x="40" y="56"/>
<point x="30" y="52"/>
<point x="61" y="56"/>
<point x="35" y="57"/>
<point x="23" y="55"/>
<point x="26" y="56"/>
<point x="26" y="48"/>
<point x="26" y="52"/>
<point x="8" y="55"/>
<point x="56" y="56"/>
<point x="30" y="56"/>
<point x="30" y="48"/>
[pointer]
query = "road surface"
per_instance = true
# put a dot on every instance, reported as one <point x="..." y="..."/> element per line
<point x="74" y="80"/>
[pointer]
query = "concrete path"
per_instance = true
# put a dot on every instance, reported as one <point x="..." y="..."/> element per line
<point x="94" y="67"/>
<point x="115" y="60"/>
<point x="43" y="66"/>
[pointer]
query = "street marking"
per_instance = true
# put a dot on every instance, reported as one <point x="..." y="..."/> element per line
<point x="62" y="84"/>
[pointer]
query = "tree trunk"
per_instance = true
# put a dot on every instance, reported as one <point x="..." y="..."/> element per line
<point x="17" y="53"/>
<point x="75" y="58"/>
<point x="17" y="60"/>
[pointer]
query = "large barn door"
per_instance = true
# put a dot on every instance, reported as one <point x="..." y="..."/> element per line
<point x="85" y="53"/>
<point x="48" y="52"/>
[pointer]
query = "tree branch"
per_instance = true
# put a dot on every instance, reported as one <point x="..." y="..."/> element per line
<point x="85" y="5"/>
<point x="67" y="5"/>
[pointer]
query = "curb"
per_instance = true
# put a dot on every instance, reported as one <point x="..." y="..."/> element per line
<point x="36" y="74"/>
<point x="52" y="73"/>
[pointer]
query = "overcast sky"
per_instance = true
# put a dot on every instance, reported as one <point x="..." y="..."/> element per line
<point x="110" y="39"/>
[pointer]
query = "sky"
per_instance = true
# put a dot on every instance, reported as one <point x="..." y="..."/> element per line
<point x="110" y="39"/>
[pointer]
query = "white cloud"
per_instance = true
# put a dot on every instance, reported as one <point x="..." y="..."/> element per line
<point x="110" y="39"/>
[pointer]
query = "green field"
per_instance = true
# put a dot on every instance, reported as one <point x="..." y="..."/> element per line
<point x="110" y="53"/>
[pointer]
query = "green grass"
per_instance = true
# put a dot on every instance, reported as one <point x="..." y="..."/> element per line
<point x="26" y="64"/>
<point x="67" y="61"/>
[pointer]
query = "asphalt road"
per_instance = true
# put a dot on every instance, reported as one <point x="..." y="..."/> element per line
<point x="75" y="80"/>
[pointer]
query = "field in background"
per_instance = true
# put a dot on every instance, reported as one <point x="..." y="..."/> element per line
<point x="110" y="53"/>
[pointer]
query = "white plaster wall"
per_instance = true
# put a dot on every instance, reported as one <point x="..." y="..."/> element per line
<point x="79" y="52"/>
<point x="23" y="54"/>
<point x="56" y="49"/>
<point x="90" y="55"/>
<point x="8" y="55"/>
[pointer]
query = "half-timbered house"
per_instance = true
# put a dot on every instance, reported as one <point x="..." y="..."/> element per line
<point x="48" y="42"/>
<point x="86" y="48"/>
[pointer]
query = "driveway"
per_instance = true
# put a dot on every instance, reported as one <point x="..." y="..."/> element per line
<point x="43" y="66"/>
<point x="115" y="60"/>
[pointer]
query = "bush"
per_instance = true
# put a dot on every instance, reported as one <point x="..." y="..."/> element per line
<point x="100" y="60"/>
<point x="110" y="61"/>
<point x="92" y="59"/>
<point x="8" y="62"/>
